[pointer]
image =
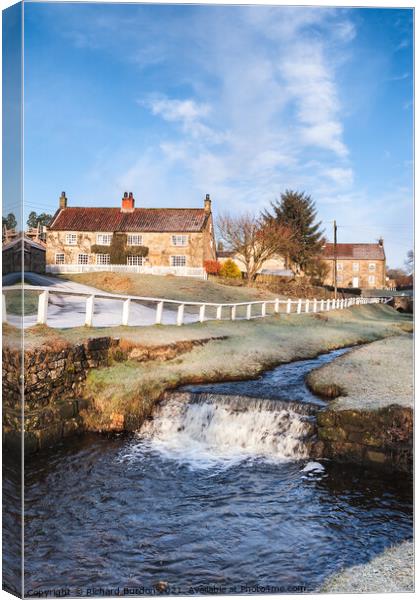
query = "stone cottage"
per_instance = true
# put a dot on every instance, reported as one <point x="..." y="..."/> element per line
<point x="157" y="240"/>
<point x="358" y="265"/>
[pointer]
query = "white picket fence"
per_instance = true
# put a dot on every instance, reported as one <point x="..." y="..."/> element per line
<point x="225" y="311"/>
<point x="197" y="272"/>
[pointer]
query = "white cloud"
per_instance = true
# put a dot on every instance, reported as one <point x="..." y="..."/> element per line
<point x="186" y="111"/>
<point x="259" y="97"/>
<point x="342" y="177"/>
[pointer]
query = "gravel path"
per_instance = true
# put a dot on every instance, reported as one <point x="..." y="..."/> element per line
<point x="371" y="377"/>
<point x="391" y="571"/>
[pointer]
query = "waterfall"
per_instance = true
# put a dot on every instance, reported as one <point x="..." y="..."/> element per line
<point x="208" y="428"/>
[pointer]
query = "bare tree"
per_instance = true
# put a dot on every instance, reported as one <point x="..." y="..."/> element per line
<point x="253" y="240"/>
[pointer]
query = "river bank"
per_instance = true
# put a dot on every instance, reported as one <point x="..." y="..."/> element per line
<point x="370" y="418"/>
<point x="390" y="572"/>
<point x="248" y="348"/>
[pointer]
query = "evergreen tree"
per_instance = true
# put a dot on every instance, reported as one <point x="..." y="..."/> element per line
<point x="297" y="211"/>
<point x="34" y="220"/>
<point x="9" y="221"/>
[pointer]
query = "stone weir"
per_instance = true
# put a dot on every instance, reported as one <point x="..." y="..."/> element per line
<point x="55" y="405"/>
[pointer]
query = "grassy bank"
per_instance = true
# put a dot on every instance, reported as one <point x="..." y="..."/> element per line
<point x="391" y="571"/>
<point x="369" y="378"/>
<point x="170" y="287"/>
<point x="131" y="388"/>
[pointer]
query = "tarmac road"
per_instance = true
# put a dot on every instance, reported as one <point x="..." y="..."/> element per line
<point x="69" y="311"/>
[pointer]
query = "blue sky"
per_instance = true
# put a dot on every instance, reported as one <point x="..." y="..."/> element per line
<point x="242" y="102"/>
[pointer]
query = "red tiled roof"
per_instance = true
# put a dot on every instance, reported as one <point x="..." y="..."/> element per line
<point x="141" y="219"/>
<point x="354" y="251"/>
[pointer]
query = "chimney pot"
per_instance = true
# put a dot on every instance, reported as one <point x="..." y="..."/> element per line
<point x="127" y="204"/>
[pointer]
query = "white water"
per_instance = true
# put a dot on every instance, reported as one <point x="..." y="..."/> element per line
<point x="205" y="430"/>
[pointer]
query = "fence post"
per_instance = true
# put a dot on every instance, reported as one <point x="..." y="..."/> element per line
<point x="42" y="308"/>
<point x="126" y="311"/>
<point x="90" y="303"/>
<point x="263" y="309"/>
<point x="321" y="308"/>
<point x="180" y="315"/>
<point x="328" y="304"/>
<point x="307" y="305"/>
<point x="233" y="312"/>
<point x="299" y="306"/>
<point x="248" y="311"/>
<point x="289" y="306"/>
<point x="159" y="313"/>
<point x="202" y="312"/>
<point x="219" y="312"/>
<point x="342" y="304"/>
<point x="4" y="311"/>
<point x="277" y="306"/>
<point x="315" y="305"/>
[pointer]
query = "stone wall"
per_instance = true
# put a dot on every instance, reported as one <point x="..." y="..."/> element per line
<point x="55" y="401"/>
<point x="381" y="437"/>
<point x="53" y="391"/>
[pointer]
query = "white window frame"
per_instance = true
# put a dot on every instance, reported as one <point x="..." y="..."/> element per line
<point x="131" y="237"/>
<point x="372" y="266"/>
<point x="82" y="262"/>
<point x="175" y="259"/>
<point x="134" y="260"/>
<point x="371" y="279"/>
<point x="103" y="259"/>
<point x="180" y="240"/>
<point x="60" y="262"/>
<point x="104" y="239"/>
<point x="71" y="239"/>
<point x="356" y="267"/>
<point x="339" y="266"/>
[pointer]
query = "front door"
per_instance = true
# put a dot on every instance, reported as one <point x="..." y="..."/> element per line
<point x="355" y="282"/>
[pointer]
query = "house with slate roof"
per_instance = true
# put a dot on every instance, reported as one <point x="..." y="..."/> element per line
<point x="358" y="265"/>
<point x="155" y="240"/>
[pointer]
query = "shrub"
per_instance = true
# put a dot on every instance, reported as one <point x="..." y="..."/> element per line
<point x="212" y="267"/>
<point x="230" y="270"/>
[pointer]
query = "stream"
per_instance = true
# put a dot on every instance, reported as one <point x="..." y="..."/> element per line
<point x="215" y="494"/>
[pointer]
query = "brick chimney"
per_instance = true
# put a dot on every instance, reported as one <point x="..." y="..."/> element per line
<point x="207" y="204"/>
<point x="63" y="200"/>
<point x="127" y="204"/>
<point x="381" y="241"/>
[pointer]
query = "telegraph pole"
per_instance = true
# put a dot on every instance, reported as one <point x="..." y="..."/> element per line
<point x="335" y="259"/>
